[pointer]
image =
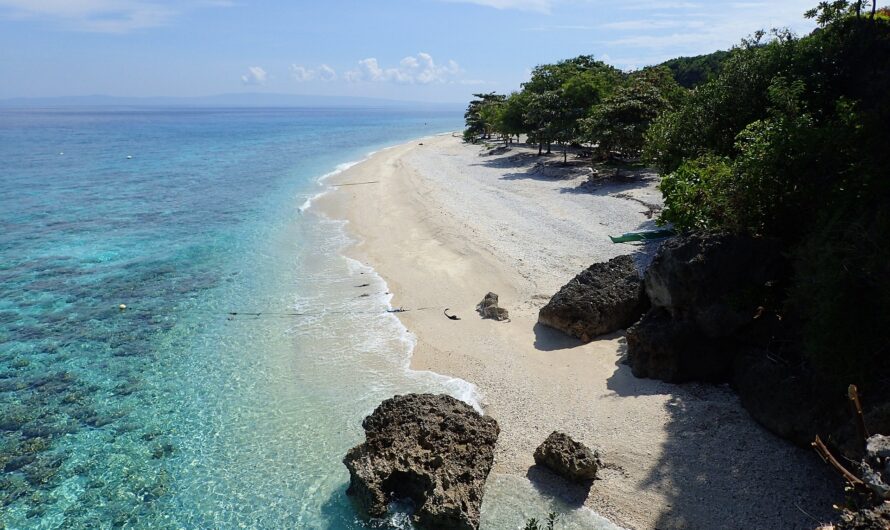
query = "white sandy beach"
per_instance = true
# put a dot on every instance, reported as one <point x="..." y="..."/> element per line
<point x="446" y="224"/>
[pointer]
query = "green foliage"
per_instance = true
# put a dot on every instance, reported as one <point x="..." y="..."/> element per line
<point x="790" y="141"/>
<point x="549" y="524"/>
<point x="620" y="122"/>
<point x="559" y="95"/>
<point x="689" y="72"/>
<point x="480" y="116"/>
<point x="550" y="106"/>
<point x="843" y="288"/>
<point x="699" y="191"/>
<point x="828" y="12"/>
<point x="717" y="111"/>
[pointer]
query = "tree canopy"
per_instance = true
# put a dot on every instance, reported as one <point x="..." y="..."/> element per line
<point x="782" y="136"/>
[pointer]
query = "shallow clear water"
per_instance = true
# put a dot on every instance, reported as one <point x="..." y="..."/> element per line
<point x="175" y="413"/>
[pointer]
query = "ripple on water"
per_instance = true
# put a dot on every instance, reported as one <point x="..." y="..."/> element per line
<point x="174" y="413"/>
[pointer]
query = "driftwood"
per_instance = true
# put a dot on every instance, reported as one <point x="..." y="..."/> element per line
<point x="450" y="317"/>
<point x="826" y="455"/>
<point x="853" y="396"/>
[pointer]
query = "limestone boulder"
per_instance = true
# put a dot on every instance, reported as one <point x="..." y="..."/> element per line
<point x="603" y="298"/>
<point x="567" y="458"/>
<point x="431" y="450"/>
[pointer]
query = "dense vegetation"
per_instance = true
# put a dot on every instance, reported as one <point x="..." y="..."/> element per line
<point x="784" y="136"/>
<point x="577" y="101"/>
<point x="693" y="71"/>
<point x="790" y="141"/>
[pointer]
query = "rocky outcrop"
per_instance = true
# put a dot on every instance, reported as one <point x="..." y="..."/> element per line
<point x="567" y="458"/>
<point x="659" y="347"/>
<point x="706" y="293"/>
<point x="781" y="398"/>
<point x="875" y="518"/>
<point x="873" y="503"/>
<point x="714" y="281"/>
<point x="605" y="297"/>
<point x="488" y="308"/>
<point x="434" y="450"/>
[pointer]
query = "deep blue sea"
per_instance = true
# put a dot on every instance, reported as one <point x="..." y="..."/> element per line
<point x="174" y="413"/>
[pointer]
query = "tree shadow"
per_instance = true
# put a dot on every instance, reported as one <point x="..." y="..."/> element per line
<point x="547" y="483"/>
<point x="515" y="160"/>
<point x="720" y="469"/>
<point x="631" y="179"/>
<point x="545" y="167"/>
<point x="549" y="339"/>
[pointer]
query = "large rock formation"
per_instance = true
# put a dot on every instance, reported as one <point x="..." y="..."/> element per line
<point x="659" y="347"/>
<point x="714" y="281"/>
<point x="567" y="458"/>
<point x="432" y="449"/>
<point x="605" y="297"/>
<point x="873" y="505"/>
<point x="781" y="398"/>
<point x="706" y="292"/>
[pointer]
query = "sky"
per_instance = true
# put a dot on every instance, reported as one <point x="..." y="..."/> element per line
<point x="419" y="50"/>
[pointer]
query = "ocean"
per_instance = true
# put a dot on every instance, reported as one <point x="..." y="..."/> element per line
<point x="226" y="392"/>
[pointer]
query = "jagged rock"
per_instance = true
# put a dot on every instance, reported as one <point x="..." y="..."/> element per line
<point x="603" y="298"/>
<point x="780" y="398"/>
<point x="567" y="458"/>
<point x="714" y="281"/>
<point x="432" y="449"/>
<point x="659" y="347"/>
<point x="878" y="447"/>
<point x="488" y="308"/>
<point x="874" y="518"/>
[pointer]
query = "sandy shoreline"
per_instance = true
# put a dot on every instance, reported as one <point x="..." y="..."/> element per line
<point x="444" y="225"/>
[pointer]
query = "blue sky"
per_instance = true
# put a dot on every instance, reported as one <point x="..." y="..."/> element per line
<point x="429" y="50"/>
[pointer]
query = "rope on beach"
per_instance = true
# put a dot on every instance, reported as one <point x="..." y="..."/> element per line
<point x="257" y="314"/>
<point x="272" y="313"/>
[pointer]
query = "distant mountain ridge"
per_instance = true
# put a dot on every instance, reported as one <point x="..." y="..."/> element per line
<point x="224" y="100"/>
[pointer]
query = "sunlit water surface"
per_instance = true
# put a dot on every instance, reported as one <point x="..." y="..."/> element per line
<point x="174" y="413"/>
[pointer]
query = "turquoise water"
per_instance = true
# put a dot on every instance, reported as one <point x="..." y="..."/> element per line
<point x="174" y="413"/>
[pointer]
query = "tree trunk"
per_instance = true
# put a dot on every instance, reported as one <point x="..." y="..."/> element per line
<point x="540" y="148"/>
<point x="874" y="7"/>
<point x="565" y="154"/>
<point x="859" y="8"/>
<point x="548" y="148"/>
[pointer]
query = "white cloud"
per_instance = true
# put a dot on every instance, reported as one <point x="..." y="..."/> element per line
<point x="255" y="76"/>
<point x="102" y="16"/>
<point x="674" y="29"/>
<point x="303" y="74"/>
<point x="419" y="69"/>
<point x="326" y="73"/>
<point x="542" y="6"/>
<point x="560" y="28"/>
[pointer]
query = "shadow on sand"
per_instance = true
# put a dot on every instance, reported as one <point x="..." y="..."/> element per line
<point x="630" y="180"/>
<point x="553" y="486"/>
<point x="529" y="165"/>
<point x="549" y="339"/>
<point x="719" y="469"/>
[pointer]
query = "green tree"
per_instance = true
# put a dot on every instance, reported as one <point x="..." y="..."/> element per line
<point x="559" y="95"/>
<point x="689" y="72"/>
<point x="618" y="124"/>
<point x="790" y="141"/>
<point x="479" y="114"/>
